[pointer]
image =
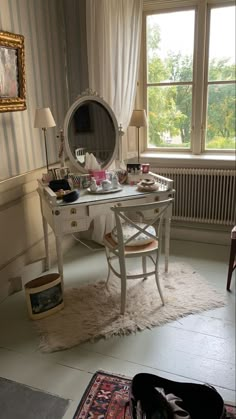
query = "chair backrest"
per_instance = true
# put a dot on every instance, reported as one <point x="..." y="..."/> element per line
<point x="144" y="221"/>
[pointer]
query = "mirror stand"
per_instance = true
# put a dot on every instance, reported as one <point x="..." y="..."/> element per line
<point x="91" y="128"/>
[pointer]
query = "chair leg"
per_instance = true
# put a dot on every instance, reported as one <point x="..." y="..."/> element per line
<point x="144" y="264"/>
<point x="158" y="284"/>
<point x="108" y="264"/>
<point x="123" y="287"/>
<point x="231" y="263"/>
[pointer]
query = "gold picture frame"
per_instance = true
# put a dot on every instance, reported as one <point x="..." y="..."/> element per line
<point x="12" y="72"/>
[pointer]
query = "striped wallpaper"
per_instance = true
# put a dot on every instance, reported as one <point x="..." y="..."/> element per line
<point x="56" y="73"/>
<point x="42" y="24"/>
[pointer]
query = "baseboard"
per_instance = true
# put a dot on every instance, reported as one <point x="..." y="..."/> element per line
<point x="202" y="233"/>
<point x="15" y="275"/>
<point x="32" y="270"/>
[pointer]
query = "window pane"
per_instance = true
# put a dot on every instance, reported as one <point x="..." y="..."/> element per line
<point x="169" y="116"/>
<point x="221" y="96"/>
<point x="170" y="41"/>
<point x="222" y="44"/>
<point x="221" y="117"/>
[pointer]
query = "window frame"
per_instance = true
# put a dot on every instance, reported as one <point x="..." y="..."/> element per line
<point x="208" y="83"/>
<point x="200" y="83"/>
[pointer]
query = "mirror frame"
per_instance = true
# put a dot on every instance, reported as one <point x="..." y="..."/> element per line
<point x="89" y="95"/>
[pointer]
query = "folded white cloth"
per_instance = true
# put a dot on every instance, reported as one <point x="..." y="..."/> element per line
<point x="91" y="162"/>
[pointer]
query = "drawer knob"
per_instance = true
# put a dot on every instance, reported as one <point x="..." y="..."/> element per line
<point x="157" y="198"/>
<point x="57" y="212"/>
<point x="74" y="224"/>
<point x="73" y="211"/>
<point x="119" y="204"/>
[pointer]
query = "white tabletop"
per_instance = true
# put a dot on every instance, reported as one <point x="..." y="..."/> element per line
<point x="126" y="192"/>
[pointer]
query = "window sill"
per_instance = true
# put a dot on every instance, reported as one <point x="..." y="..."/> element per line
<point x="164" y="159"/>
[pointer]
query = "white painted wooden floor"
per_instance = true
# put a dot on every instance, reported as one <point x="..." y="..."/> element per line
<point x="198" y="348"/>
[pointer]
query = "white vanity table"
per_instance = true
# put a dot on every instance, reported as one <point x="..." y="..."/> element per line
<point x="91" y="126"/>
<point x="68" y="218"/>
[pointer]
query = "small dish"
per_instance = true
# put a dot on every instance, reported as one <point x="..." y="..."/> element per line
<point x="147" y="188"/>
<point x="100" y="191"/>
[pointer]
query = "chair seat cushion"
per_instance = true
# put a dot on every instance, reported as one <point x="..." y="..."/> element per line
<point x="129" y="231"/>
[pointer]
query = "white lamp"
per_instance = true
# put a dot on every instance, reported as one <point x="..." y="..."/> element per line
<point x="44" y="119"/>
<point x="138" y="120"/>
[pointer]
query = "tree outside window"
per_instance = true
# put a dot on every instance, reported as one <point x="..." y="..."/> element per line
<point x="170" y="80"/>
<point x="220" y="116"/>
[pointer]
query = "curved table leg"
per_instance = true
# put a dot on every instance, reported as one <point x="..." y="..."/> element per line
<point x="60" y="257"/>
<point x="45" y="233"/>
<point x="167" y="243"/>
<point x="46" y="243"/>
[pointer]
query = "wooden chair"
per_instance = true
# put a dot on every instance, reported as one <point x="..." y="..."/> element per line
<point x="137" y="234"/>
<point x="232" y="258"/>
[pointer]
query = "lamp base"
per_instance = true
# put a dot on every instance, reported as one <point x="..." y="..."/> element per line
<point x="45" y="145"/>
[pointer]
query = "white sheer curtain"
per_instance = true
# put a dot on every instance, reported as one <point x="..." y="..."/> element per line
<point x="113" y="48"/>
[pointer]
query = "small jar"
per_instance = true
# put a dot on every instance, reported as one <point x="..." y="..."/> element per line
<point x="115" y="181"/>
<point x="93" y="185"/>
<point x="145" y="168"/>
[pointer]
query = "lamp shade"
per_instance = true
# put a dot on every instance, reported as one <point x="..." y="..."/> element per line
<point x="138" y="118"/>
<point x="43" y="118"/>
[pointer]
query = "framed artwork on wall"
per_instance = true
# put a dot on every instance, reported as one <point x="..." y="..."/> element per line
<point x="12" y="72"/>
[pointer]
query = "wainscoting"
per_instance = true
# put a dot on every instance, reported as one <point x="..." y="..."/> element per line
<point x="22" y="244"/>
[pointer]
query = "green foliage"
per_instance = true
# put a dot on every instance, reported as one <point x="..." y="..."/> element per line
<point x="222" y="143"/>
<point x="221" y="112"/>
<point x="221" y="70"/>
<point x="170" y="107"/>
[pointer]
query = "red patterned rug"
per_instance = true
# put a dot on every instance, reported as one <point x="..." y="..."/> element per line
<point x="107" y="395"/>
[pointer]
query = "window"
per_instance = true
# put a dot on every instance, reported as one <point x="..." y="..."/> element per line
<point x="190" y="78"/>
<point x="220" y="115"/>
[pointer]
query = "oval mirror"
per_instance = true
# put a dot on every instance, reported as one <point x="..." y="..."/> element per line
<point x="91" y="127"/>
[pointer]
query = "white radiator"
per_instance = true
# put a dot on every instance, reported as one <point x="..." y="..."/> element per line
<point x="203" y="195"/>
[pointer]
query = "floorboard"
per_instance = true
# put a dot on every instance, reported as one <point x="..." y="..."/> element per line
<point x="197" y="348"/>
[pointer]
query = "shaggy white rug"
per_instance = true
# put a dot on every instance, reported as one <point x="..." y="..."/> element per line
<point x="93" y="311"/>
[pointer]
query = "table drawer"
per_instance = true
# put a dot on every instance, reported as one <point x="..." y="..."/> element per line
<point x="70" y="219"/>
<point x="102" y="209"/>
<point x="71" y="213"/>
<point x="75" y="225"/>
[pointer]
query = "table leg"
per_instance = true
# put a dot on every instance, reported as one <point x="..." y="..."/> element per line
<point x="45" y="234"/>
<point x="167" y="243"/>
<point x="59" y="257"/>
<point x="46" y="243"/>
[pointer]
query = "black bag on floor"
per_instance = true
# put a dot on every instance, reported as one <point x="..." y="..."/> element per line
<point x="154" y="397"/>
